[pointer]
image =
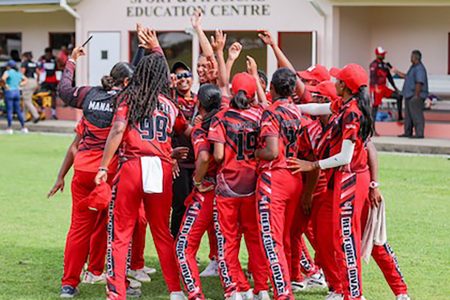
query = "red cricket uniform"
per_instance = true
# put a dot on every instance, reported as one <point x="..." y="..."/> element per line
<point x="349" y="186"/>
<point x="150" y="137"/>
<point x="278" y="193"/>
<point x="235" y="209"/>
<point x="87" y="233"/>
<point x="197" y="219"/>
<point x="379" y="72"/>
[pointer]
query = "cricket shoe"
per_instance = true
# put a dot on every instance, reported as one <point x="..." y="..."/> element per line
<point x="402" y="297"/>
<point x="316" y="281"/>
<point x="139" y="275"/>
<point x="133" y="293"/>
<point x="90" y="278"/>
<point x="149" y="270"/>
<point x="247" y="295"/>
<point x="298" y="286"/>
<point x="9" y="131"/>
<point x="211" y="270"/>
<point x="334" y="296"/>
<point x="177" y="296"/>
<point x="24" y="130"/>
<point x="235" y="296"/>
<point x="68" y="291"/>
<point x="262" y="295"/>
<point x="134" y="284"/>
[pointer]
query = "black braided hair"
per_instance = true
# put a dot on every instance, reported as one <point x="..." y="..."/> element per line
<point x="150" y="79"/>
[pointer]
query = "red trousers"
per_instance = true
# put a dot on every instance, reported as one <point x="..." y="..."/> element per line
<point x="379" y="92"/>
<point x="212" y="239"/>
<point x="233" y="216"/>
<point x="128" y="195"/>
<point x="198" y="217"/>
<point x="350" y="193"/>
<point x="87" y="233"/>
<point x="278" y="193"/>
<point x="386" y="260"/>
<point x="137" y="261"/>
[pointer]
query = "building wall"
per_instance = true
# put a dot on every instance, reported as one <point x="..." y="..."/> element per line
<point x="399" y="30"/>
<point x="35" y="27"/>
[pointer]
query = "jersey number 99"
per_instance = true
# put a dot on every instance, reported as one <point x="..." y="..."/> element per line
<point x="154" y="127"/>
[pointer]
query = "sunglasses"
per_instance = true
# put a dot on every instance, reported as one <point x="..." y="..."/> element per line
<point x="184" y="75"/>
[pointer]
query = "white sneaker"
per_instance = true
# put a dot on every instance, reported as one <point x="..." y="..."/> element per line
<point x="9" y="131"/>
<point x="149" y="270"/>
<point x="402" y="297"/>
<point x="177" y="296"/>
<point x="24" y="130"/>
<point x="262" y="295"/>
<point x="90" y="278"/>
<point x="316" y="281"/>
<point x="133" y="293"/>
<point x="235" y="296"/>
<point x="298" y="286"/>
<point x="211" y="270"/>
<point x="139" y="275"/>
<point x="134" y="284"/>
<point x="247" y="295"/>
<point x="334" y="296"/>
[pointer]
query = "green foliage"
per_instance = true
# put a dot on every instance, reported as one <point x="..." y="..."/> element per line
<point x="33" y="228"/>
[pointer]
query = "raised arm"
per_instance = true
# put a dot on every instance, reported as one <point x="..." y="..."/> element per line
<point x="233" y="54"/>
<point x="218" y="44"/>
<point x="72" y="96"/>
<point x="252" y="69"/>
<point x="206" y="47"/>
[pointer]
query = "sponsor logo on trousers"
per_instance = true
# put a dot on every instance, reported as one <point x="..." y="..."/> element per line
<point x="354" y="282"/>
<point x="223" y="269"/>
<point x="304" y="262"/>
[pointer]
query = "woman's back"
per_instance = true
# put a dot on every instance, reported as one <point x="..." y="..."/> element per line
<point x="14" y="79"/>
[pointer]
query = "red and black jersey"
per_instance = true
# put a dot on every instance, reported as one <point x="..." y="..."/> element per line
<point x="380" y="73"/>
<point x="152" y="136"/>
<point x="186" y="105"/>
<point x="282" y="120"/>
<point x="344" y="125"/>
<point x="238" y="130"/>
<point x="199" y="138"/>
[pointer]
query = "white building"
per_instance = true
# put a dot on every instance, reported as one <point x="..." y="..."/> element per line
<point x="330" y="32"/>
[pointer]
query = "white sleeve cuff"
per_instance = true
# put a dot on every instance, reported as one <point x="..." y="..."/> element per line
<point x="342" y="158"/>
<point x="316" y="109"/>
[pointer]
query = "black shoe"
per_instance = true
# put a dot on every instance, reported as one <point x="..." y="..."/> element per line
<point x="36" y="120"/>
<point x="417" y="137"/>
<point x="54" y="117"/>
<point x="404" y="135"/>
<point x="68" y="291"/>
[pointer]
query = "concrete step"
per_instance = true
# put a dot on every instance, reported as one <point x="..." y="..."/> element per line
<point x="436" y="130"/>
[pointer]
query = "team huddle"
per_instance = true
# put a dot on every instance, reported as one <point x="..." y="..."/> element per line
<point x="271" y="162"/>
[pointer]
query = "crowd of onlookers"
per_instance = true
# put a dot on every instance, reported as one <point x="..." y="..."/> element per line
<point x="34" y="81"/>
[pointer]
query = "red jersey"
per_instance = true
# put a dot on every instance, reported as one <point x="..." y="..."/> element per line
<point x="90" y="149"/>
<point x="344" y="125"/>
<point x="152" y="136"/>
<point x="282" y="120"/>
<point x="199" y="138"/>
<point x="186" y="105"/>
<point x="238" y="130"/>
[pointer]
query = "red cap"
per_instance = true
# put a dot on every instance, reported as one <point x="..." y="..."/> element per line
<point x="353" y="75"/>
<point x="98" y="199"/>
<point x="380" y="51"/>
<point x="325" y="88"/>
<point x="244" y="82"/>
<point x="317" y="72"/>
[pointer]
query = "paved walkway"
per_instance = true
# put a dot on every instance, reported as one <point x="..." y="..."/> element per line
<point x="385" y="143"/>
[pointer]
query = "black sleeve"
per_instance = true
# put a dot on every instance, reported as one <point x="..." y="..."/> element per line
<point x="389" y="76"/>
<point x="138" y="56"/>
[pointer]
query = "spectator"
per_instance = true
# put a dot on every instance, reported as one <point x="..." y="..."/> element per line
<point x="15" y="56"/>
<point x="13" y="79"/>
<point x="380" y="73"/>
<point x="415" y="91"/>
<point x="63" y="56"/>
<point x="30" y="71"/>
<point x="48" y="64"/>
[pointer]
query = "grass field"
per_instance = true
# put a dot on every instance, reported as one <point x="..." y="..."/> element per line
<point x="33" y="229"/>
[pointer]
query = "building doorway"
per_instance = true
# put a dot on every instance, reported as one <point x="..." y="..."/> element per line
<point x="104" y="53"/>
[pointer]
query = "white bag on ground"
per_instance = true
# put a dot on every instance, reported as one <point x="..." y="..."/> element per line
<point x="375" y="232"/>
<point x="152" y="174"/>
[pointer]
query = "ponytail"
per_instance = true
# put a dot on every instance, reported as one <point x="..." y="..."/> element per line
<point x="240" y="100"/>
<point x="208" y="118"/>
<point x="107" y="82"/>
<point x="366" y="130"/>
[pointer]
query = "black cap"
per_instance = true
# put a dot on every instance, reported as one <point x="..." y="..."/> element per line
<point x="179" y="65"/>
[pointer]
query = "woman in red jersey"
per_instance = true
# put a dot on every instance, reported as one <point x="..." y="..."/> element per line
<point x="143" y="124"/>
<point x="199" y="204"/>
<point x="278" y="191"/>
<point x="343" y="155"/>
<point x="234" y="132"/>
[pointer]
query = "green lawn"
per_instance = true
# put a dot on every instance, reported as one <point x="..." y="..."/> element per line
<point x="33" y="229"/>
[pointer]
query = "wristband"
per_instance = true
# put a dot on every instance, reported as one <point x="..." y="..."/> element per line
<point x="196" y="183"/>
<point x="103" y="169"/>
<point x="374" y="185"/>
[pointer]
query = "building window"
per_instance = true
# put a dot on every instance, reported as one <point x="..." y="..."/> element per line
<point x="251" y="45"/>
<point x="298" y="46"/>
<point x="177" y="46"/>
<point x="10" y="42"/>
<point x="61" y="39"/>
